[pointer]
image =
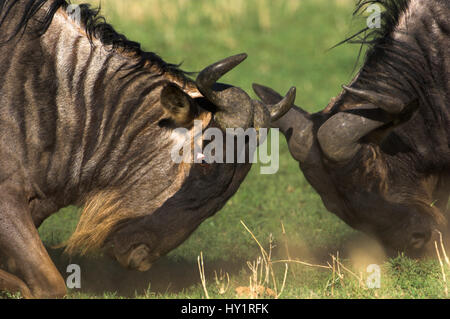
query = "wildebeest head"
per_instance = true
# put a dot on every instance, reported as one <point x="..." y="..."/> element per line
<point x="356" y="161"/>
<point x="163" y="202"/>
<point x="139" y="202"/>
<point x="378" y="155"/>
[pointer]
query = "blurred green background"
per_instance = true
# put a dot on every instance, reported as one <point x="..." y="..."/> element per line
<point x="288" y="44"/>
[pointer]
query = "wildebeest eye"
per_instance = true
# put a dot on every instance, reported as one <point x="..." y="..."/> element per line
<point x="202" y="160"/>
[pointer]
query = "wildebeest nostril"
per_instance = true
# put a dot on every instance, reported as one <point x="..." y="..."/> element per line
<point x="419" y="239"/>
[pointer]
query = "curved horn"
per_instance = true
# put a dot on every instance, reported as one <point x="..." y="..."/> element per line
<point x="386" y="103"/>
<point x="279" y="109"/>
<point x="211" y="74"/>
<point x="339" y="137"/>
<point x="296" y="124"/>
<point x="235" y="108"/>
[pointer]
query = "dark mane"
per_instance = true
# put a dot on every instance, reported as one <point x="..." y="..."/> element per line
<point x="94" y="25"/>
<point x="408" y="68"/>
<point x="391" y="66"/>
<point x="376" y="38"/>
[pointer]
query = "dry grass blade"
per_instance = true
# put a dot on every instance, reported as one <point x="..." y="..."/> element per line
<point x="447" y="261"/>
<point x="265" y="255"/>
<point x="222" y="287"/>
<point x="255" y="283"/>
<point x="269" y="267"/>
<point x="286" y="246"/>
<point x="264" y="265"/>
<point x="201" y="269"/>
<point x="360" y="281"/>
<point x="296" y="261"/>
<point x="284" y="281"/>
<point x="444" y="277"/>
<point x="441" y="262"/>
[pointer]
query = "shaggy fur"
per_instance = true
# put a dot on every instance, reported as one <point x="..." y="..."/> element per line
<point x="101" y="214"/>
<point x="93" y="24"/>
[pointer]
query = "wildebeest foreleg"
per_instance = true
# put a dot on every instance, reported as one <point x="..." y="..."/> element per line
<point x="13" y="284"/>
<point x="19" y="240"/>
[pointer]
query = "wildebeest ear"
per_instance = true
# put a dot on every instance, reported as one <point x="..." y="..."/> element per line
<point x="179" y="107"/>
<point x="378" y="136"/>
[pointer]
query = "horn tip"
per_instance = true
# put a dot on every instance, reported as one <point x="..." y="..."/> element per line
<point x="292" y="91"/>
<point x="237" y="59"/>
<point x="291" y="95"/>
<point x="241" y="56"/>
<point x="346" y="88"/>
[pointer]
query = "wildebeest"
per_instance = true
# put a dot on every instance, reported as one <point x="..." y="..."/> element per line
<point x="379" y="154"/>
<point x="86" y="119"/>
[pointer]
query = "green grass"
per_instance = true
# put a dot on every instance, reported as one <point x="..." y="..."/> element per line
<point x="287" y="42"/>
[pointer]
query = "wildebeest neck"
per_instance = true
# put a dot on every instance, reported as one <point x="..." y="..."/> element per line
<point x="179" y="216"/>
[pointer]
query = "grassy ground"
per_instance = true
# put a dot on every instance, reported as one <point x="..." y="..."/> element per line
<point x="287" y="43"/>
